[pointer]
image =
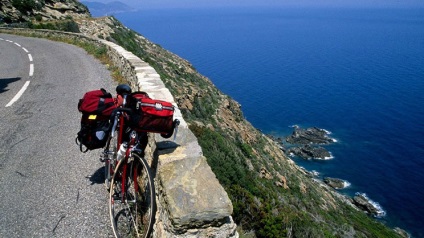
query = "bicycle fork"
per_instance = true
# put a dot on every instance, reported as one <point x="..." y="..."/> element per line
<point x="105" y="158"/>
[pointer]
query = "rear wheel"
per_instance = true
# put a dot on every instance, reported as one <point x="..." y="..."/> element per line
<point x="132" y="206"/>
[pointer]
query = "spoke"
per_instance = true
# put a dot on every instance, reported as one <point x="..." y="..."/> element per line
<point x="133" y="219"/>
<point x="132" y="214"/>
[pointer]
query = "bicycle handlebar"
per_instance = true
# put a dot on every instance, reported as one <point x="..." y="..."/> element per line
<point x="113" y="125"/>
<point x="121" y="109"/>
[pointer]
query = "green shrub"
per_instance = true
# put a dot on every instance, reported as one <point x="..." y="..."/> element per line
<point x="26" y="5"/>
<point x="67" y="25"/>
<point x="38" y="18"/>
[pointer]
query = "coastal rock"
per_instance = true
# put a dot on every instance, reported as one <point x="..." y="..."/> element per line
<point x="335" y="182"/>
<point x="364" y="203"/>
<point x="311" y="135"/>
<point x="310" y="152"/>
<point x="402" y="232"/>
<point x="278" y="141"/>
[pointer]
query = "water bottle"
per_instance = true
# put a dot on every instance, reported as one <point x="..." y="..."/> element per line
<point x="121" y="152"/>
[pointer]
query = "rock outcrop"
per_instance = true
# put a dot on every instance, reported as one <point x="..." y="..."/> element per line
<point x="335" y="183"/>
<point x="363" y="202"/>
<point x="311" y="135"/>
<point x="29" y="10"/>
<point x="305" y="143"/>
<point x="310" y="152"/>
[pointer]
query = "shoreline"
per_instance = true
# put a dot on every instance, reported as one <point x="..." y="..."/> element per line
<point x="310" y="136"/>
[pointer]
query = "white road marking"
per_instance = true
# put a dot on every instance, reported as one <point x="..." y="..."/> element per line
<point x="31" y="70"/>
<point x="31" y="73"/>
<point x="18" y="95"/>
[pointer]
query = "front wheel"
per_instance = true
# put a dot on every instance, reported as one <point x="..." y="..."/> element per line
<point x="132" y="198"/>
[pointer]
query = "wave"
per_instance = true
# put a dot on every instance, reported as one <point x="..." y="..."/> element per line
<point x="315" y="173"/>
<point x="327" y="157"/>
<point x="346" y="184"/>
<point x="327" y="132"/>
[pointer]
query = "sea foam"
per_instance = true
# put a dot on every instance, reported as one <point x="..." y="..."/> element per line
<point x="346" y="184"/>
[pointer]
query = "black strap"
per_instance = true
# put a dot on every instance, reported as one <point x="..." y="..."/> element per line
<point x="106" y="94"/>
<point x="80" y="145"/>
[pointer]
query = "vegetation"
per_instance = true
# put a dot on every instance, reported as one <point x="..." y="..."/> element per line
<point x="65" y="25"/>
<point x="27" y="5"/>
<point x="305" y="209"/>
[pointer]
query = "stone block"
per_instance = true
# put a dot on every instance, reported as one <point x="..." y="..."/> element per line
<point x="192" y="194"/>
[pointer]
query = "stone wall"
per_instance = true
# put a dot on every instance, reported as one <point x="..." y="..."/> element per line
<point x="190" y="200"/>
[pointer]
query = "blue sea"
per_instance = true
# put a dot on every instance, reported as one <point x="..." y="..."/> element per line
<point x="358" y="73"/>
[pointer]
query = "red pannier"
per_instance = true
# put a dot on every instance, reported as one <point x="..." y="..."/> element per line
<point x="96" y="107"/>
<point x="151" y="115"/>
<point x="97" y="102"/>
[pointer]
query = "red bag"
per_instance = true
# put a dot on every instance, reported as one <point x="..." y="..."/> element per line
<point x="97" y="102"/>
<point x="152" y="115"/>
<point x="96" y="107"/>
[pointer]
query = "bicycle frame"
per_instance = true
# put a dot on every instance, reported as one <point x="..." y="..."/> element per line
<point x="128" y="175"/>
<point x="119" y="127"/>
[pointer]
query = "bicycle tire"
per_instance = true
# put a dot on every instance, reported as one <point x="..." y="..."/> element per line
<point x="132" y="216"/>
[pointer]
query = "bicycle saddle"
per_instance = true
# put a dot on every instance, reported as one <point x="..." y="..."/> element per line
<point x="123" y="89"/>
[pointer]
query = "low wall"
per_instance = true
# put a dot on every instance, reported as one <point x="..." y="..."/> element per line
<point x="191" y="202"/>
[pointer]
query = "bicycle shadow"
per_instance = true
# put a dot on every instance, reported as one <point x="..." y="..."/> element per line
<point x="98" y="177"/>
<point x="162" y="147"/>
<point x="166" y="147"/>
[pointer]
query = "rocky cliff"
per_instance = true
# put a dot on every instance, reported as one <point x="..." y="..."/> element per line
<point x="27" y="10"/>
<point x="271" y="195"/>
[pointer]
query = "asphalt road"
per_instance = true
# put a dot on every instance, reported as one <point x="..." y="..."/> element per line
<point x="48" y="188"/>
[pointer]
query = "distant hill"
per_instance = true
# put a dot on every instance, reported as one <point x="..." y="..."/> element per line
<point x="98" y="9"/>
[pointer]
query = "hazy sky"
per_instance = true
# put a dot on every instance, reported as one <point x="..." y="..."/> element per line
<point x="204" y="3"/>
